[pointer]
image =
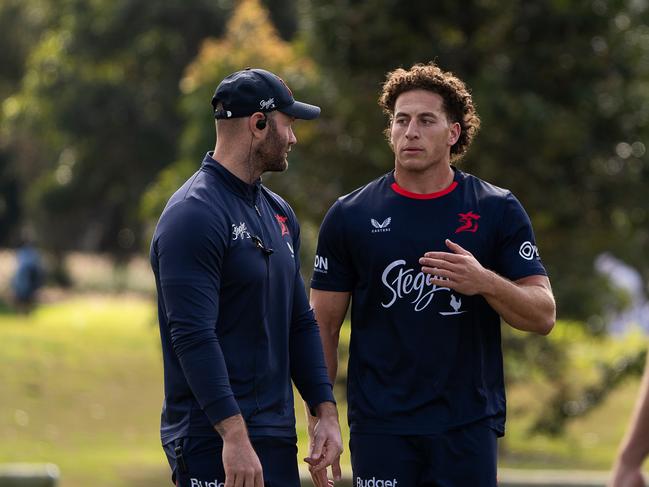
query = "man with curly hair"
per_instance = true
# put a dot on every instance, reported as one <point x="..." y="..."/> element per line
<point x="432" y="258"/>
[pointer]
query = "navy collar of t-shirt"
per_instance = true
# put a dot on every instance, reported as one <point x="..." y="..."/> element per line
<point x="249" y="192"/>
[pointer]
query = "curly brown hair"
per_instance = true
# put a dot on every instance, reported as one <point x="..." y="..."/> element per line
<point x="458" y="103"/>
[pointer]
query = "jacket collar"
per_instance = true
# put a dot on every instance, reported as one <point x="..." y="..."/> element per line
<point x="249" y="192"/>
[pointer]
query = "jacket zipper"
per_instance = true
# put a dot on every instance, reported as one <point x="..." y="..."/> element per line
<point x="267" y="259"/>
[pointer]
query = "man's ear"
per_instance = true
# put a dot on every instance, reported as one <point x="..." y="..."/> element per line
<point x="387" y="132"/>
<point x="454" y="133"/>
<point x="257" y="123"/>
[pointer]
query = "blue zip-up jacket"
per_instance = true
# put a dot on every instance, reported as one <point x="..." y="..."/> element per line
<point x="235" y="322"/>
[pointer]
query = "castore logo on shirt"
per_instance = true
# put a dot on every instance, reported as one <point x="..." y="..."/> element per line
<point x="380" y="227"/>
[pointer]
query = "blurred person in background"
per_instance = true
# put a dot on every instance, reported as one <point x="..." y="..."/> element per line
<point x="28" y="277"/>
<point x="432" y="258"/>
<point x="634" y="449"/>
<point x="235" y="321"/>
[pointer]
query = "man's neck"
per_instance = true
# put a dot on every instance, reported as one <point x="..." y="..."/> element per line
<point x="433" y="180"/>
<point x="242" y="168"/>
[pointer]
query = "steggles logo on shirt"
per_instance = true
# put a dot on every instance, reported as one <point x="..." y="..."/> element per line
<point x="404" y="283"/>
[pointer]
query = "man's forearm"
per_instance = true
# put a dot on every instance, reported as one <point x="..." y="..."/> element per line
<point x="526" y="304"/>
<point x="232" y="428"/>
<point x="326" y="410"/>
<point x="238" y="456"/>
<point x="330" y="309"/>
<point x="635" y="446"/>
<point x="330" y="348"/>
<point x="526" y="307"/>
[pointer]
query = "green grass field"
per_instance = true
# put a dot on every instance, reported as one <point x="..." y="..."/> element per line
<point x="81" y="387"/>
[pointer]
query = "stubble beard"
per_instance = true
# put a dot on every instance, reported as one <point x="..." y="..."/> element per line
<point x="417" y="165"/>
<point x="271" y="154"/>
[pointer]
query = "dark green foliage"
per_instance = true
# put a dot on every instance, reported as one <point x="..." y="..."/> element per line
<point x="283" y="14"/>
<point x="573" y="371"/>
<point x="96" y="116"/>
<point x="564" y="406"/>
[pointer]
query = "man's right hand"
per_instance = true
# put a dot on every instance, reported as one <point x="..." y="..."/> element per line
<point x="626" y="477"/>
<point x="325" y="444"/>
<point x="319" y="478"/>
<point x="241" y="464"/>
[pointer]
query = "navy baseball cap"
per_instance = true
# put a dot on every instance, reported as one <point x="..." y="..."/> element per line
<point x="257" y="90"/>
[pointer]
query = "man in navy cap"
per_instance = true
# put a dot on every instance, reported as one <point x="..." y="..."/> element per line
<point x="235" y="323"/>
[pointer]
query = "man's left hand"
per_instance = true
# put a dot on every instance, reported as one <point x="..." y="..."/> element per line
<point x="458" y="270"/>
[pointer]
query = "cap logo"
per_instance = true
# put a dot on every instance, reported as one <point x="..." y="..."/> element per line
<point x="267" y="104"/>
<point x="286" y="86"/>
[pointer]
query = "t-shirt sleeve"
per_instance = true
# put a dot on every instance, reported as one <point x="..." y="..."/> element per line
<point x="190" y="249"/>
<point x="333" y="269"/>
<point x="518" y="255"/>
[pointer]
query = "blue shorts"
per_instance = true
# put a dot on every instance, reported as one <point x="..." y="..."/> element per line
<point x="466" y="456"/>
<point x="197" y="461"/>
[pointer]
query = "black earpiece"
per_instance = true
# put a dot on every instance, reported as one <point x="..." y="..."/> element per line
<point x="261" y="124"/>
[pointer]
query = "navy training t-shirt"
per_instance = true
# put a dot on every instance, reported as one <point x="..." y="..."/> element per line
<point x="423" y="358"/>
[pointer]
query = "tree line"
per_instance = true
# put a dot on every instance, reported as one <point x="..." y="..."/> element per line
<point x="105" y="110"/>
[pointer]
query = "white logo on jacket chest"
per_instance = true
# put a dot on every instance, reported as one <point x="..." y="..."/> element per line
<point x="240" y="231"/>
